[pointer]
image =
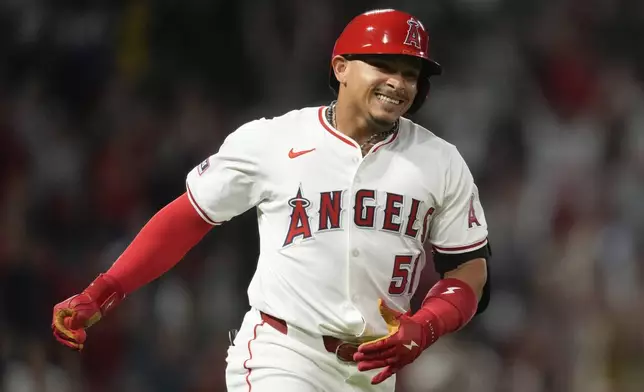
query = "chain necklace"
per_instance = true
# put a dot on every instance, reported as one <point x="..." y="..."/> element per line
<point x="373" y="139"/>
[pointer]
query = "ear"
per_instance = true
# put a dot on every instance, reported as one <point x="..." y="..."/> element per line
<point x="340" y="67"/>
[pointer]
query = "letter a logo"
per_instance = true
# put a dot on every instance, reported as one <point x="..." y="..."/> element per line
<point x="299" y="224"/>
<point x="413" y="35"/>
<point x="472" y="220"/>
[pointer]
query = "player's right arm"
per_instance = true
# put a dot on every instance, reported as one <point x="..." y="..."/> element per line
<point x="223" y="186"/>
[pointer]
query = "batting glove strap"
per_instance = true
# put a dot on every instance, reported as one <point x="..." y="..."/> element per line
<point x="106" y="292"/>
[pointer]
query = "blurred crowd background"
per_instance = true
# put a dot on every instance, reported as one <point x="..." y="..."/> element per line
<point x="106" y="105"/>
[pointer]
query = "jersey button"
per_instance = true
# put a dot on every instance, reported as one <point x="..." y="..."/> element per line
<point x="355" y="253"/>
<point x="356" y="160"/>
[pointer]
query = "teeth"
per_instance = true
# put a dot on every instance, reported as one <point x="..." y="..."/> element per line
<point x="387" y="99"/>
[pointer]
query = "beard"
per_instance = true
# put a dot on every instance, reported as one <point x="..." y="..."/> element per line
<point x="380" y="123"/>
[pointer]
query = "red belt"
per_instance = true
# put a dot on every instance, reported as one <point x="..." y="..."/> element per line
<point x="343" y="350"/>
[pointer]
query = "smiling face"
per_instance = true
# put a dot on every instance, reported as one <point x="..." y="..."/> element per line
<point x="379" y="87"/>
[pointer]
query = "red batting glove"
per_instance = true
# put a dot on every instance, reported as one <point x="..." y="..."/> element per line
<point x="77" y="313"/>
<point x="407" y="338"/>
<point x="448" y="306"/>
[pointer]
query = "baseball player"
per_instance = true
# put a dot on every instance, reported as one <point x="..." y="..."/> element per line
<point x="346" y="195"/>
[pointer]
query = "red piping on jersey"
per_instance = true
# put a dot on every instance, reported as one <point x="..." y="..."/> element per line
<point x="394" y="136"/>
<point x="344" y="138"/>
<point x="250" y="354"/>
<point x="460" y="248"/>
<point x="333" y="131"/>
<point x="201" y="211"/>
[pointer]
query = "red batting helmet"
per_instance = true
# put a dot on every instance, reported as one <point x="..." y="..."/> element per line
<point x="388" y="32"/>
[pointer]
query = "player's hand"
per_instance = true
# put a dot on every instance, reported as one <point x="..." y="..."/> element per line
<point x="407" y="338"/>
<point x="74" y="315"/>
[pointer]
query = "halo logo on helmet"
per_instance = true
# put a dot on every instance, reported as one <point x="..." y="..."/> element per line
<point x="413" y="37"/>
<point x="388" y="32"/>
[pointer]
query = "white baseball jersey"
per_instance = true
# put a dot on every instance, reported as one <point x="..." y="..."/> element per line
<point x="339" y="230"/>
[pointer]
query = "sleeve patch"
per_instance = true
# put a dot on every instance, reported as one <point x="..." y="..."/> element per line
<point x="203" y="166"/>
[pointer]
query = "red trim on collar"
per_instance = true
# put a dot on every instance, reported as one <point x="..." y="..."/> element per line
<point x="331" y="130"/>
<point x="340" y="136"/>
<point x="394" y="136"/>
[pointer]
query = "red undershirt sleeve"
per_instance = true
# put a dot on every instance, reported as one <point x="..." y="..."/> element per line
<point x="160" y="245"/>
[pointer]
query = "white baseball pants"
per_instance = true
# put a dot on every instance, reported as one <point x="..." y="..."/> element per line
<point x="263" y="359"/>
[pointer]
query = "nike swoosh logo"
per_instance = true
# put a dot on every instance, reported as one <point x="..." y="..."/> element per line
<point x="411" y="345"/>
<point x="294" y="154"/>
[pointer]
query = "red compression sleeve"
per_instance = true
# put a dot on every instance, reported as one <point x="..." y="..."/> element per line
<point x="160" y="244"/>
<point x="451" y="303"/>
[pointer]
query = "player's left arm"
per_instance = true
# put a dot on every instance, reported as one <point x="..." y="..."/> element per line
<point x="458" y="235"/>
